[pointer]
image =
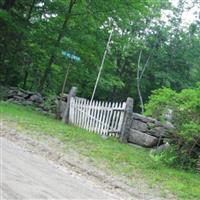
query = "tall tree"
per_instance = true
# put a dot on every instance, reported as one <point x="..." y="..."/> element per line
<point x="57" y="43"/>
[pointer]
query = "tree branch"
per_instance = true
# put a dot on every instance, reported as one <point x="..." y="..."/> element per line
<point x="145" y="65"/>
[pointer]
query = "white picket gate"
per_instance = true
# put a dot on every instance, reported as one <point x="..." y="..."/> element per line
<point x="104" y="118"/>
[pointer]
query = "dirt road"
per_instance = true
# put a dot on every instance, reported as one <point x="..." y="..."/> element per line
<point x="28" y="176"/>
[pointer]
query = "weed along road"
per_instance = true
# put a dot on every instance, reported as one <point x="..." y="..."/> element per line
<point x="28" y="176"/>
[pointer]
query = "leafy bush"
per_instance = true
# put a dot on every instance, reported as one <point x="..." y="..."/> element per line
<point x="50" y="103"/>
<point x="185" y="106"/>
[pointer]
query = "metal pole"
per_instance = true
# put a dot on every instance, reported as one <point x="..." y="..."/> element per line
<point x="102" y="63"/>
<point x="64" y="83"/>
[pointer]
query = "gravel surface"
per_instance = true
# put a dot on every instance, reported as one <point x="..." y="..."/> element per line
<point x="28" y="176"/>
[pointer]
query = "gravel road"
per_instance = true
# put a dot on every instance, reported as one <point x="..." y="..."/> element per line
<point x="28" y="176"/>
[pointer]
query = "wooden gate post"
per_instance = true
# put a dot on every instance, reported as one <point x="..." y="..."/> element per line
<point x="126" y="124"/>
<point x="72" y="93"/>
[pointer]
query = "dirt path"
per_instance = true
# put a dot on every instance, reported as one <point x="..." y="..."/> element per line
<point x="36" y="167"/>
<point x="27" y="176"/>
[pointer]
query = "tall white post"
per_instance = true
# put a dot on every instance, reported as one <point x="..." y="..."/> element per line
<point x="102" y="63"/>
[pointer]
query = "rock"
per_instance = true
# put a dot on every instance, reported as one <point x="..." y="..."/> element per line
<point x="36" y="98"/>
<point x="14" y="88"/>
<point x="158" y="123"/>
<point x="166" y="140"/>
<point x="143" y="139"/>
<point x="21" y="94"/>
<point x="162" y="147"/>
<point x="11" y="93"/>
<point x="168" y="125"/>
<point x="29" y="92"/>
<point x="139" y="125"/>
<point x="18" y="98"/>
<point x="27" y="103"/>
<point x="168" y="114"/>
<point x="158" y="131"/>
<point x="10" y="100"/>
<point x="61" y="106"/>
<point x="150" y="125"/>
<point x="143" y="118"/>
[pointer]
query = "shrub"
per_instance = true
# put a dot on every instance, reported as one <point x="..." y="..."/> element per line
<point x="185" y="106"/>
<point x="50" y="103"/>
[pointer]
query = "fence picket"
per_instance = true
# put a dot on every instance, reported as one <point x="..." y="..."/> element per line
<point x="85" y="117"/>
<point x="71" y="110"/>
<point x="87" y="113"/>
<point x="117" y="118"/>
<point x="109" y="118"/>
<point x="81" y="112"/>
<point x="91" y="116"/>
<point x="100" y="117"/>
<point x="78" y="111"/>
<point x="108" y="109"/>
<point x="114" y="116"/>
<point x="97" y="116"/>
<point x="75" y="113"/>
<point x="103" y="119"/>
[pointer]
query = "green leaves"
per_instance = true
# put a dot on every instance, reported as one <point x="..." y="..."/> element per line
<point x="185" y="108"/>
<point x="190" y="131"/>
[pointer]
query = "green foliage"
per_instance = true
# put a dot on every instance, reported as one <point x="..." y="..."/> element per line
<point x="185" y="108"/>
<point x="159" y="101"/>
<point x="50" y="103"/>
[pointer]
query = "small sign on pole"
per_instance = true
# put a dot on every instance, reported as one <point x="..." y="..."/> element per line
<point x="72" y="57"/>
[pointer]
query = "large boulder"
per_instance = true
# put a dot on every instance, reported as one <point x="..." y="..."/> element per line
<point x="142" y="139"/>
<point x="143" y="118"/>
<point x="60" y="109"/>
<point x="139" y="125"/>
<point x="11" y="93"/>
<point x="169" y="126"/>
<point x="21" y="94"/>
<point x="158" y="131"/>
<point x="161" y="148"/>
<point x="36" y="98"/>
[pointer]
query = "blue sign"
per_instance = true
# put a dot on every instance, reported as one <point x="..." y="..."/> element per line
<point x="70" y="56"/>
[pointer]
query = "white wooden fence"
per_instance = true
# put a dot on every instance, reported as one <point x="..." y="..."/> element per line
<point x="104" y="118"/>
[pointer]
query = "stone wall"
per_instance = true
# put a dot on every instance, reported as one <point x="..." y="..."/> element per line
<point x="29" y="98"/>
<point x="147" y="132"/>
<point x="25" y="97"/>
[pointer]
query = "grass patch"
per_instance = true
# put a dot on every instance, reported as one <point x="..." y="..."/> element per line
<point x="122" y="159"/>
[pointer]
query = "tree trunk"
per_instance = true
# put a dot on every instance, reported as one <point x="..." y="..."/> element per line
<point x="8" y="4"/>
<point x="139" y="77"/>
<point x="140" y="96"/>
<point x="138" y="83"/>
<point x="19" y="41"/>
<point x="60" y="36"/>
<point x="25" y="79"/>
